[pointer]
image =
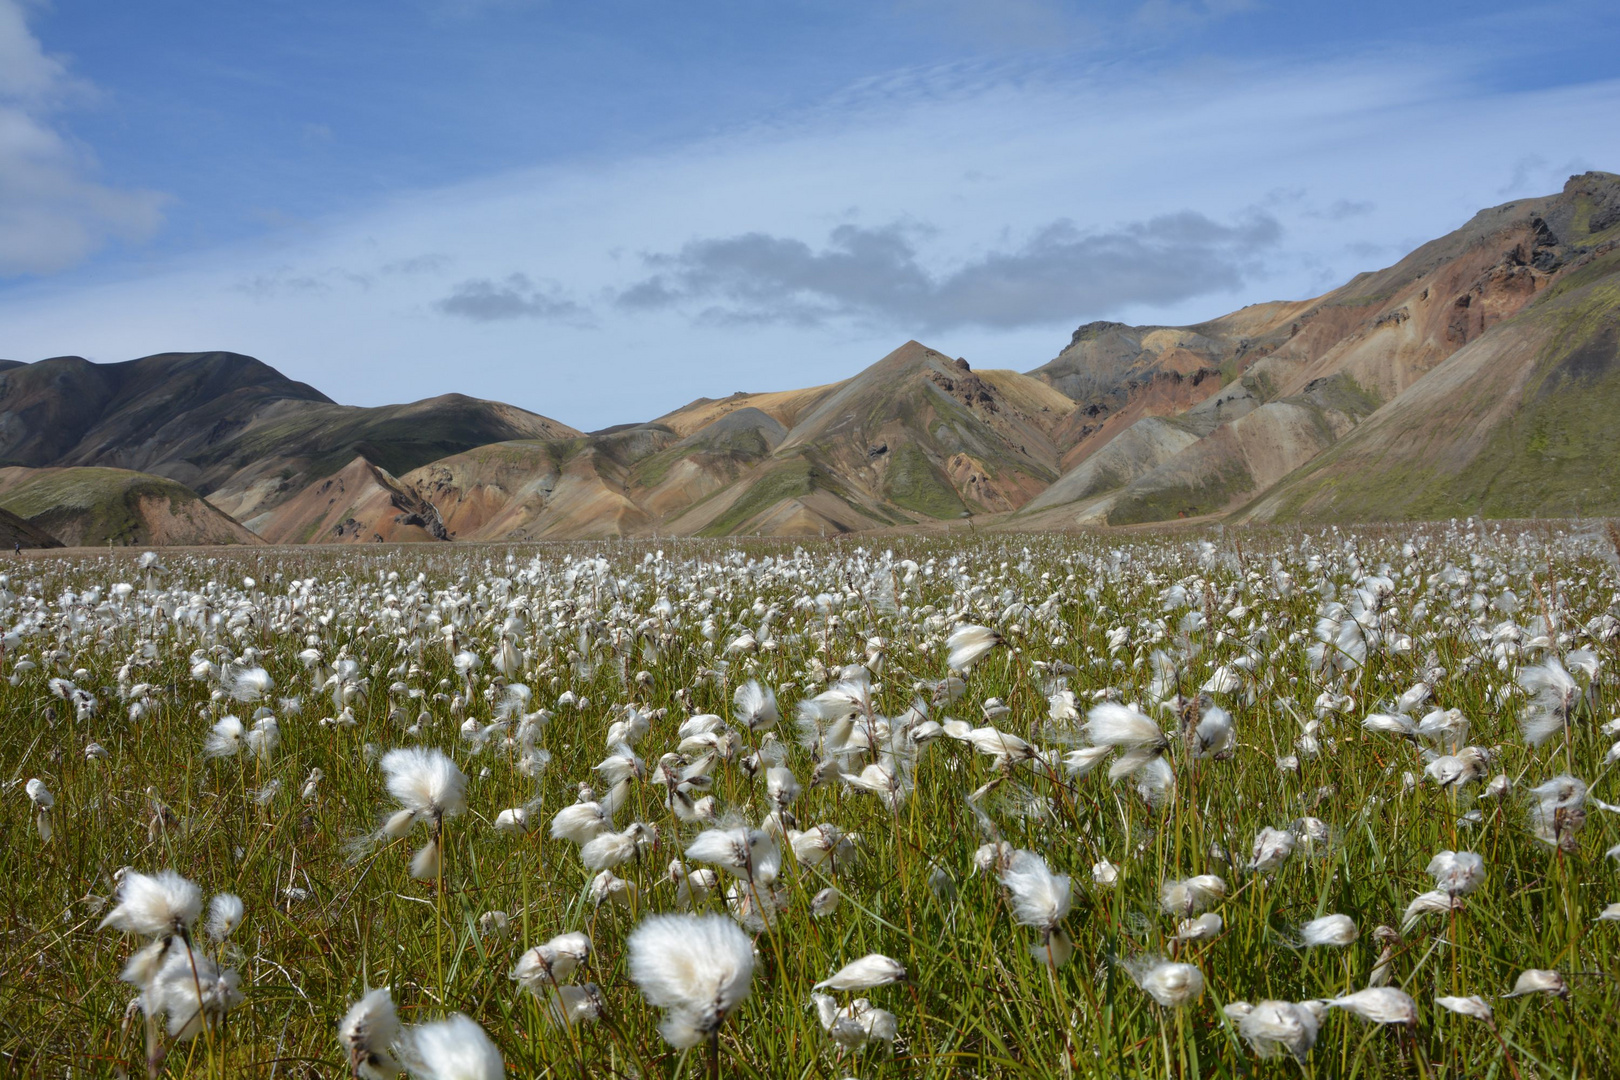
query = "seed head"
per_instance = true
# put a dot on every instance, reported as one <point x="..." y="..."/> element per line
<point x="696" y="968"/>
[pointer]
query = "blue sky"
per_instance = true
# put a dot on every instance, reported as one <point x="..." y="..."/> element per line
<point x="600" y="211"/>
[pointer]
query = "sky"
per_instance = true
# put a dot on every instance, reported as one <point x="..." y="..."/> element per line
<point x="601" y="211"/>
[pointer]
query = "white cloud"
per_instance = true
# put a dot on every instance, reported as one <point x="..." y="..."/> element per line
<point x="52" y="212"/>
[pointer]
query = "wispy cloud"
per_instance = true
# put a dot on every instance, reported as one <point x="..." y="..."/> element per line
<point x="1061" y="272"/>
<point x="514" y="297"/>
<point x="283" y="281"/>
<point x="53" y="213"/>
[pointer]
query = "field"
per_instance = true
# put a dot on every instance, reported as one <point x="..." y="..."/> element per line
<point x="1176" y="812"/>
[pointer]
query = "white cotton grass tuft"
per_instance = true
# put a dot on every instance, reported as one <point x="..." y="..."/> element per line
<point x="1040" y="899"/>
<point x="368" y="1033"/>
<point x="696" y="968"/>
<point x="1124" y="727"/>
<point x="155" y="905"/>
<point x="566" y="1006"/>
<point x="1189" y="896"/>
<point x="968" y="644"/>
<point x="454" y="1048"/>
<point x="854" y="1025"/>
<point x="1205" y="927"/>
<point x="514" y="820"/>
<point x="755" y="706"/>
<point x="1334" y="930"/>
<point x="249" y="684"/>
<point x="1559" y="811"/>
<point x="1539" y="981"/>
<point x="191" y="991"/>
<point x="692" y="887"/>
<point x="870" y="971"/>
<point x="425" y="781"/>
<point x="428" y="862"/>
<point x="226" y="738"/>
<point x="1436" y="901"/>
<point x="781" y="786"/>
<point x="40" y="797"/>
<point x="1215" y="735"/>
<point x="1379" y="1005"/>
<point x="429" y="787"/>
<point x="825" y="902"/>
<point x="225" y="913"/>
<point x="1552" y="694"/>
<point x="581" y="822"/>
<point x="552" y="963"/>
<point x="1473" y="1005"/>
<point x="1081" y="762"/>
<point x="1274" y="1028"/>
<point x="1271" y="849"/>
<point x="262" y="739"/>
<point x="1168" y="982"/>
<point x="610" y="849"/>
<point x="1457" y="872"/>
<point x="749" y="854"/>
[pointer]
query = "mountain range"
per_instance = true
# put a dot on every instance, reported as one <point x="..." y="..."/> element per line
<point x="1478" y="375"/>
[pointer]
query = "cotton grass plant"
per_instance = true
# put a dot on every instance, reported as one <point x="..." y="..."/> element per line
<point x="1261" y="803"/>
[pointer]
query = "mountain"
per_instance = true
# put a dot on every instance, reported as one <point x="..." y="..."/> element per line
<point x="1523" y="421"/>
<point x="88" y="506"/>
<point x="134" y="415"/>
<point x="915" y="437"/>
<point x="1466" y="378"/>
<point x="16" y="532"/>
<point x="1479" y="374"/>
<point x="360" y="503"/>
<point x="228" y="426"/>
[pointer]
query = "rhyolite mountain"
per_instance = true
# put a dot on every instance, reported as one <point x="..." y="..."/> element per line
<point x="1477" y="375"/>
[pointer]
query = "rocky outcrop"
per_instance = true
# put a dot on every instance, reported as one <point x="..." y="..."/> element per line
<point x="360" y="503"/>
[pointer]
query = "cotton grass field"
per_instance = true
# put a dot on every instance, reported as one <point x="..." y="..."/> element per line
<point x="1240" y="804"/>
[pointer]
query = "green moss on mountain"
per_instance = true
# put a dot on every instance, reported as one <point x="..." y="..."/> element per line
<point x="791" y="479"/>
<point x="94" y="506"/>
<point x="914" y="483"/>
<point x="1208" y="493"/>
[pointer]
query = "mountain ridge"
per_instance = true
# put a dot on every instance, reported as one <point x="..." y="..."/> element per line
<point x="1478" y="373"/>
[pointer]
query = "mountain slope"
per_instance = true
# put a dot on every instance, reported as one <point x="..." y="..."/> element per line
<point x="88" y="507"/>
<point x="18" y="533"/>
<point x="1292" y="391"/>
<point x="1522" y="422"/>
<point x="291" y="444"/>
<point x="555" y="489"/>
<point x="230" y="426"/>
<point x="69" y="411"/>
<point x="359" y="503"/>
<point x="915" y="436"/>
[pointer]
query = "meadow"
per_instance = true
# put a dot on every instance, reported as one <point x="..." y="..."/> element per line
<point x="1243" y="803"/>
